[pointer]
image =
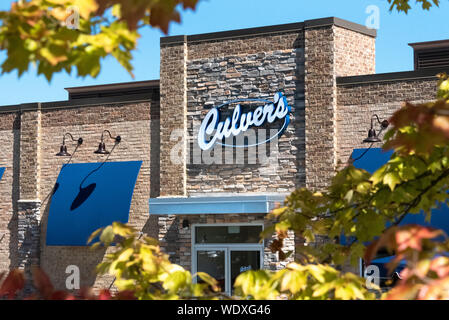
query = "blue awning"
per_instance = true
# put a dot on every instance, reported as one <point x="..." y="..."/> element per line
<point x="372" y="160"/>
<point x="229" y="204"/>
<point x="2" y="171"/>
<point x="385" y="260"/>
<point x="88" y="196"/>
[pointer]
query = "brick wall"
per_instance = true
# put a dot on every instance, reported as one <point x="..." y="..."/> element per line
<point x="9" y="189"/>
<point x="173" y="117"/>
<point x="330" y="52"/>
<point x="358" y="102"/>
<point x="135" y="123"/>
<point x="30" y="139"/>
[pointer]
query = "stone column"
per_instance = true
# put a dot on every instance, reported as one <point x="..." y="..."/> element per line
<point x="320" y="94"/>
<point x="29" y="204"/>
<point x="173" y="134"/>
<point x="337" y="49"/>
<point x="29" y="234"/>
<point x="173" y="115"/>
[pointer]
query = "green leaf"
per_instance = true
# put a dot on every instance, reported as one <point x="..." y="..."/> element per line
<point x="176" y="280"/>
<point x="209" y="280"/>
<point x="107" y="236"/>
<point x="94" y="235"/>
<point x="392" y="179"/>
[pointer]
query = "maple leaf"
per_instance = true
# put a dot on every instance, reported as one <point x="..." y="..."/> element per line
<point x="42" y="283"/>
<point x="14" y="282"/>
<point x="411" y="236"/>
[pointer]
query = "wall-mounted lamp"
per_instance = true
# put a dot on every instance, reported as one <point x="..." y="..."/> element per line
<point x="185" y="224"/>
<point x="102" y="147"/>
<point x="63" y="150"/>
<point x="372" y="135"/>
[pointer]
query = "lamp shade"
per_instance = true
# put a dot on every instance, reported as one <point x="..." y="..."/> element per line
<point x="372" y="137"/>
<point x="63" y="152"/>
<point x="101" y="149"/>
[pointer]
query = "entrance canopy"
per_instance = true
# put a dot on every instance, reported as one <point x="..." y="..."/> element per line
<point x="223" y="204"/>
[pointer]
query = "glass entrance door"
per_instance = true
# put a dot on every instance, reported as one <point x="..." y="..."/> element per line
<point x="225" y="251"/>
<point x="241" y="261"/>
<point x="213" y="262"/>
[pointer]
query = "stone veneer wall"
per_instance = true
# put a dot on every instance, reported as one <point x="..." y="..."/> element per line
<point x="358" y="102"/>
<point x="218" y="71"/>
<point x="301" y="63"/>
<point x="248" y="67"/>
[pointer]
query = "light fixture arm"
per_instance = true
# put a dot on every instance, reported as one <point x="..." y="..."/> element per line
<point x="383" y="124"/>
<point x="372" y="118"/>
<point x="117" y="139"/>
<point x="79" y="141"/>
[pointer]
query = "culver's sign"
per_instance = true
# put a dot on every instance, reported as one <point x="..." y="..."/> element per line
<point x="213" y="129"/>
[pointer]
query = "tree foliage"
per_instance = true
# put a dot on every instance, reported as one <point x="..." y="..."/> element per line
<point x="139" y="266"/>
<point x="58" y="35"/>
<point x="364" y="208"/>
<point x="404" y="5"/>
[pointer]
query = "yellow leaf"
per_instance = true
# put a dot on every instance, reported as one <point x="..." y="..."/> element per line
<point x="94" y="235"/>
<point x="277" y="212"/>
<point x="52" y="59"/>
<point x="294" y="281"/>
<point x="117" y="11"/>
<point x="209" y="280"/>
<point x="392" y="179"/>
<point x="86" y="7"/>
<point x="122" y="229"/>
<point x="126" y="254"/>
<point x="363" y="187"/>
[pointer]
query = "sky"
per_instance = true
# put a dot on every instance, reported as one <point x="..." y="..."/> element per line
<point x="393" y="54"/>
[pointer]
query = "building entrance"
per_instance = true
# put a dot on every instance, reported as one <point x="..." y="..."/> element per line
<point x="225" y="251"/>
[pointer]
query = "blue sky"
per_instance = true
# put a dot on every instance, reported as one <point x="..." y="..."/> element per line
<point x="393" y="54"/>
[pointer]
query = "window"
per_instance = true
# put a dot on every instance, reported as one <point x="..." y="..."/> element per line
<point x="228" y="234"/>
<point x="225" y="251"/>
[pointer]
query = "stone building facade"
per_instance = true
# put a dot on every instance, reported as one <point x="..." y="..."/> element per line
<point x="204" y="206"/>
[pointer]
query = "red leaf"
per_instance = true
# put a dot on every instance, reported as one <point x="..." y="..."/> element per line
<point x="87" y="293"/>
<point x="370" y="252"/>
<point x="42" y="283"/>
<point x="105" y="295"/>
<point x="386" y="240"/>
<point x="411" y="236"/>
<point x="435" y="290"/>
<point x="61" y="295"/>
<point x="403" y="292"/>
<point x="440" y="266"/>
<point x="14" y="282"/>
<point x="126" y="295"/>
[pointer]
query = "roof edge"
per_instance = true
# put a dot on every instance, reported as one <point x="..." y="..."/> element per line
<point x="307" y="24"/>
<point x="391" y="76"/>
<point x="76" y="103"/>
<point x="114" y="86"/>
